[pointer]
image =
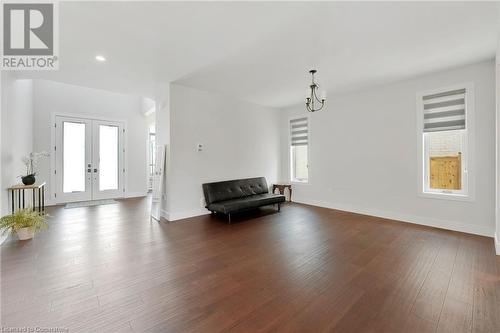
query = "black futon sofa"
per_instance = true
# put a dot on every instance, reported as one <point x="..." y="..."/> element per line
<point x="234" y="196"/>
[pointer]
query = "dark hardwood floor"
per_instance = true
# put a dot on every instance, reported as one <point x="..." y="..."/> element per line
<point x="306" y="269"/>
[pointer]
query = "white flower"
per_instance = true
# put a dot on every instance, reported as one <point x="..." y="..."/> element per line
<point x="26" y="160"/>
<point x="31" y="161"/>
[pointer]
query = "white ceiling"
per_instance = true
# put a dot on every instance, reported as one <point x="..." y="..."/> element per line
<point x="260" y="51"/>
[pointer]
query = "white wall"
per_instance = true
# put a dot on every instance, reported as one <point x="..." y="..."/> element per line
<point x="363" y="153"/>
<point x="2" y="99"/>
<point x="148" y="106"/>
<point x="17" y="131"/>
<point x="54" y="97"/>
<point x="240" y="140"/>
<point x="497" y="151"/>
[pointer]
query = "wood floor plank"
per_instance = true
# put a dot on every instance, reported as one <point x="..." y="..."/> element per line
<point x="430" y="300"/>
<point x="485" y="314"/>
<point x="455" y="317"/>
<point x="461" y="286"/>
<point x="305" y="269"/>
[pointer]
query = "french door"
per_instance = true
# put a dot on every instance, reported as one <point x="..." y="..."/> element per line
<point x="88" y="159"/>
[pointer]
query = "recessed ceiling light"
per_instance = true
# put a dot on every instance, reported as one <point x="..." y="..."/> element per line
<point x="100" y="58"/>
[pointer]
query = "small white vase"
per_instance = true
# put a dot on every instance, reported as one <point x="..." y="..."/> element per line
<point x="25" y="233"/>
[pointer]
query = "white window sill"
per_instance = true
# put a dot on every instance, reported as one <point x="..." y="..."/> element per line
<point x="297" y="182"/>
<point x="446" y="196"/>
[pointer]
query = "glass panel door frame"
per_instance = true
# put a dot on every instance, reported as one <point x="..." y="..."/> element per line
<point x="106" y="193"/>
<point x="92" y="192"/>
<point x="59" y="150"/>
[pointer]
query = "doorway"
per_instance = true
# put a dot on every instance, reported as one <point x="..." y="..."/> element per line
<point x="88" y="159"/>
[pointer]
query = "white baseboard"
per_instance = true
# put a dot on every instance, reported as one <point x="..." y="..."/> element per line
<point x="427" y="221"/>
<point x="175" y="216"/>
<point x="497" y="245"/>
<point x="3" y="238"/>
<point x="135" y="194"/>
<point x="126" y="196"/>
<point x="52" y="203"/>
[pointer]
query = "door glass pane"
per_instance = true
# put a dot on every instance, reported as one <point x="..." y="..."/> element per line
<point x="73" y="157"/>
<point x="108" y="157"/>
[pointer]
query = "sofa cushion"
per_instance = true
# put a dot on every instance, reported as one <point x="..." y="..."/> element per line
<point x="234" y="189"/>
<point x="249" y="202"/>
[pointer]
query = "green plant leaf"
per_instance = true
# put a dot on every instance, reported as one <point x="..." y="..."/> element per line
<point x="23" y="218"/>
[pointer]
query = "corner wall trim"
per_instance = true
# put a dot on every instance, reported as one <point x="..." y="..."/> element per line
<point x="164" y="214"/>
<point x="3" y="238"/>
<point x="407" y="218"/>
<point x="497" y="245"/>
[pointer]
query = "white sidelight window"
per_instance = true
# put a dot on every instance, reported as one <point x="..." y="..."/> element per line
<point x="299" y="145"/>
<point x="444" y="132"/>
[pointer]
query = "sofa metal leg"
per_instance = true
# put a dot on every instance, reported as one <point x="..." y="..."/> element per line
<point x="279" y="207"/>
<point x="229" y="218"/>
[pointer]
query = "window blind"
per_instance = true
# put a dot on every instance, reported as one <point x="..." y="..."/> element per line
<point x="444" y="111"/>
<point x="299" y="132"/>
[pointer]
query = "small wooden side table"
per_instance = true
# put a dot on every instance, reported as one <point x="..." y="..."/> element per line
<point x="17" y="192"/>
<point x="281" y="188"/>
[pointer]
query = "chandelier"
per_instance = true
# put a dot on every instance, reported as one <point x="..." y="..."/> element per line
<point x="313" y="103"/>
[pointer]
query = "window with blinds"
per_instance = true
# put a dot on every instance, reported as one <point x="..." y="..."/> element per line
<point x="444" y="130"/>
<point x="299" y="146"/>
<point x="444" y="111"/>
<point x="299" y="131"/>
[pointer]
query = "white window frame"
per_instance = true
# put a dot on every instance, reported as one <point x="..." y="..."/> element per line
<point x="290" y="153"/>
<point x="52" y="190"/>
<point x="468" y="149"/>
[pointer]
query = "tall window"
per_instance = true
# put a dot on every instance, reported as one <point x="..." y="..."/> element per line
<point x="445" y="140"/>
<point x="299" y="144"/>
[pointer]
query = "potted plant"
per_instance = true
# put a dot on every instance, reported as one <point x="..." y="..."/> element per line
<point x="31" y="162"/>
<point x="25" y="222"/>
